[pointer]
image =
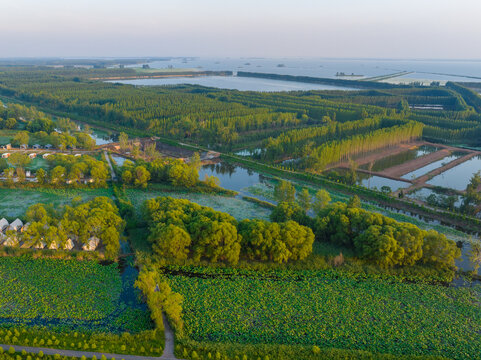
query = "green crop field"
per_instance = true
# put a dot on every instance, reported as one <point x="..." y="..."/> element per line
<point x="238" y="208"/>
<point x="16" y="201"/>
<point x="333" y="310"/>
<point x="67" y="294"/>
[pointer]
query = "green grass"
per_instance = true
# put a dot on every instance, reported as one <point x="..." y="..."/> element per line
<point x="16" y="201"/>
<point x="238" y="208"/>
<point x="6" y="136"/>
<point x="333" y="309"/>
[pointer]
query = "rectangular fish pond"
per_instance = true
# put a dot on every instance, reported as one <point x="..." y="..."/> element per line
<point x="458" y="177"/>
<point x="401" y="158"/>
<point x="430" y="167"/>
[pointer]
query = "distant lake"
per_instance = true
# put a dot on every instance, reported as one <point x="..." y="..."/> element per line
<point x="234" y="83"/>
<point x="454" y="70"/>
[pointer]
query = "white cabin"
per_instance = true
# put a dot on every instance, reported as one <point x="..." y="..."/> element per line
<point x="3" y="225"/>
<point x="69" y="245"/>
<point x="91" y="244"/>
<point x="16" y="225"/>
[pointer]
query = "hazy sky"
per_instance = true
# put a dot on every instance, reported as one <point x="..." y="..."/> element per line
<point x="269" y="28"/>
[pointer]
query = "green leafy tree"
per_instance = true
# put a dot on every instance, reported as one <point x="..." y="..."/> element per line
<point x="123" y="141"/>
<point x="160" y="298"/>
<point x="354" y="202"/>
<point x="215" y="240"/>
<point x="127" y="176"/>
<point x="260" y="240"/>
<point x="170" y="241"/>
<point x="321" y="200"/>
<point x="439" y="251"/>
<point x="378" y="245"/>
<point x="298" y="240"/>
<point x="141" y="176"/>
<point x="285" y="211"/>
<point x="18" y="159"/>
<point x="21" y="138"/>
<point x="57" y="175"/>
<point x="20" y="174"/>
<point x="304" y="199"/>
<point x="3" y="164"/>
<point x="37" y="213"/>
<point x="41" y="175"/>
<point x="284" y="191"/>
<point x="99" y="173"/>
<point x="9" y="174"/>
<point x="475" y="256"/>
<point x="10" y="123"/>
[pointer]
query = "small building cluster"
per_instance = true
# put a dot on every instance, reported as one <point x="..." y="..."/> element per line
<point x="13" y="235"/>
<point x="25" y="147"/>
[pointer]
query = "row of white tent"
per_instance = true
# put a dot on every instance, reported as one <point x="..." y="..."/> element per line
<point x="18" y="226"/>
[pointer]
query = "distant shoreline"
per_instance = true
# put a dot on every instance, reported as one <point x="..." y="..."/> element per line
<point x="160" y="75"/>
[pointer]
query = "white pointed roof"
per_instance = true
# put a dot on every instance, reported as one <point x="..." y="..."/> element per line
<point x="69" y="245"/>
<point x="16" y="225"/>
<point x="3" y="224"/>
<point x="91" y="244"/>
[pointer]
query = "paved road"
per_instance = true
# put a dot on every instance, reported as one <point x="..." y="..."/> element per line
<point x="167" y="355"/>
<point x="169" y="341"/>
<point x="112" y="172"/>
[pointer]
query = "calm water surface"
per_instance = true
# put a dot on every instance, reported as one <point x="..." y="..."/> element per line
<point x="459" y="176"/>
<point x="234" y="83"/>
<point x="458" y="70"/>
<point x="430" y="167"/>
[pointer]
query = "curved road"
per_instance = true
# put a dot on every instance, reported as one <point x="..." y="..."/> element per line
<point x="167" y="355"/>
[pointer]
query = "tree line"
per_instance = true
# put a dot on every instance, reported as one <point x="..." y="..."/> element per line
<point x="336" y="151"/>
<point x="181" y="230"/>
<point x="373" y="236"/>
<point x="298" y="142"/>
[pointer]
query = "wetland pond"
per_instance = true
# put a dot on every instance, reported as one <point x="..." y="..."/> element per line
<point x="401" y="158"/>
<point x="458" y="177"/>
<point x="101" y="136"/>
<point x="430" y="167"/>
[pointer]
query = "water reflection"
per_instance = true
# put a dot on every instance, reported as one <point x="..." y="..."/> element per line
<point x="231" y="177"/>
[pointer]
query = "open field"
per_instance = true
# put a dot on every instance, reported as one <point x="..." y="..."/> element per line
<point x="332" y="309"/>
<point x="16" y="201"/>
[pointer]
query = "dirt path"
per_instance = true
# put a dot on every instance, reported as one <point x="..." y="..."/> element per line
<point x="383" y="153"/>
<point x="420" y="182"/>
<point x="379" y="154"/>
<point x="407" y="167"/>
<point x="169" y="341"/>
<point x="167" y="355"/>
<point x="382" y="174"/>
<point x="442" y="169"/>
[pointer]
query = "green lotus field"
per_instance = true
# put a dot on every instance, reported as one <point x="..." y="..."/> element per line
<point x="331" y="309"/>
